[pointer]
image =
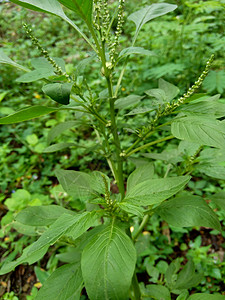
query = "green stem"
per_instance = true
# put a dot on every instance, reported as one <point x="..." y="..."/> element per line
<point x="150" y="144"/>
<point x="141" y="227"/>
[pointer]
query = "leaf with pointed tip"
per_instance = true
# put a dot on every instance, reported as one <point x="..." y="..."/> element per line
<point x="171" y="91"/>
<point x="28" y="113"/>
<point x="108" y="261"/>
<point x="4" y="59"/>
<point x="148" y="13"/>
<point x="198" y="129"/>
<point x="65" y="283"/>
<point x="188" y="211"/>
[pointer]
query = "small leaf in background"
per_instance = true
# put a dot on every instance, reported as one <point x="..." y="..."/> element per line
<point x="2" y="95"/>
<point x="41" y="274"/>
<point x="198" y="129"/>
<point x="112" y="253"/>
<point x="134" y="50"/>
<point x="41" y="215"/>
<point x="32" y="139"/>
<point x="59" y="92"/>
<point x="65" y="283"/>
<point x="219" y="199"/>
<point x="4" y="59"/>
<point x="205" y="296"/>
<point x="188" y="211"/>
<point x="58" y="147"/>
<point x="215" y="81"/>
<point x="148" y="13"/>
<point x="27" y="114"/>
<point x="127" y="101"/>
<point x="157" y="292"/>
<point x="59" y="128"/>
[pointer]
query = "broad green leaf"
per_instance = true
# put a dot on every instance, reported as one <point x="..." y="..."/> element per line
<point x="198" y="129"/>
<point x="59" y="92"/>
<point x="65" y="283"/>
<point x="132" y="209"/>
<point x="155" y="190"/>
<point x="41" y="215"/>
<point x="188" y="211"/>
<point x="171" y="91"/>
<point x="215" y="81"/>
<point x="108" y="263"/>
<point x="82" y="7"/>
<point x="59" y="128"/>
<point x="157" y="292"/>
<point x="26" y="257"/>
<point x="134" y="50"/>
<point x="205" y="296"/>
<point x="61" y="226"/>
<point x="172" y="156"/>
<point x="4" y="59"/>
<point x="140" y="110"/>
<point x="141" y="174"/>
<point x="159" y="94"/>
<point x="219" y="199"/>
<point x="52" y="7"/>
<point x="28" y="113"/>
<point x="148" y="13"/>
<point x="35" y="75"/>
<point x="127" y="101"/>
<point x="187" y="277"/>
<point x="211" y="170"/>
<point x="58" y="147"/>
<point x="82" y="185"/>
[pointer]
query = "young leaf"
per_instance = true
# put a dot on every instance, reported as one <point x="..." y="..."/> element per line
<point x="58" y="147"/>
<point x="41" y="215"/>
<point x="27" y="257"/>
<point x="148" y="13"/>
<point x="198" y="129"/>
<point x="63" y="225"/>
<point x="59" y="92"/>
<point x="155" y="190"/>
<point x="141" y="174"/>
<point x="59" y="128"/>
<point x="188" y="211"/>
<point x="134" y="50"/>
<point x="82" y="7"/>
<point x="27" y="114"/>
<point x="205" y="296"/>
<point x="108" y="263"/>
<point x="127" y="101"/>
<point x="171" y="91"/>
<point x="157" y="292"/>
<point x="65" y="283"/>
<point x="4" y="59"/>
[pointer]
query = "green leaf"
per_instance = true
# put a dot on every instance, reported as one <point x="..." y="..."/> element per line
<point x="59" y="128"/>
<point x="170" y="275"/>
<point x="205" y="296"/>
<point x="59" y="92"/>
<point x="127" y="101"/>
<point x="183" y="295"/>
<point x="219" y="199"/>
<point x="134" y="50"/>
<point x="148" y="13"/>
<point x="141" y="174"/>
<point x="63" y="225"/>
<point x="108" y="263"/>
<point x="65" y="283"/>
<point x="58" y="147"/>
<point x="188" y="211"/>
<point x="155" y="190"/>
<point x="35" y="75"/>
<point x="140" y="110"/>
<point x="159" y="94"/>
<point x="132" y="209"/>
<point x="81" y="185"/>
<point x="4" y="59"/>
<point x="28" y="113"/>
<point x="198" y="129"/>
<point x="41" y="215"/>
<point x="82" y="7"/>
<point x="171" y="91"/>
<point x="26" y="256"/>
<point x="215" y="81"/>
<point x="158" y="292"/>
<point x="187" y="277"/>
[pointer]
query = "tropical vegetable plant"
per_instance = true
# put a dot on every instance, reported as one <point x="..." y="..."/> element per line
<point x="101" y="253"/>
